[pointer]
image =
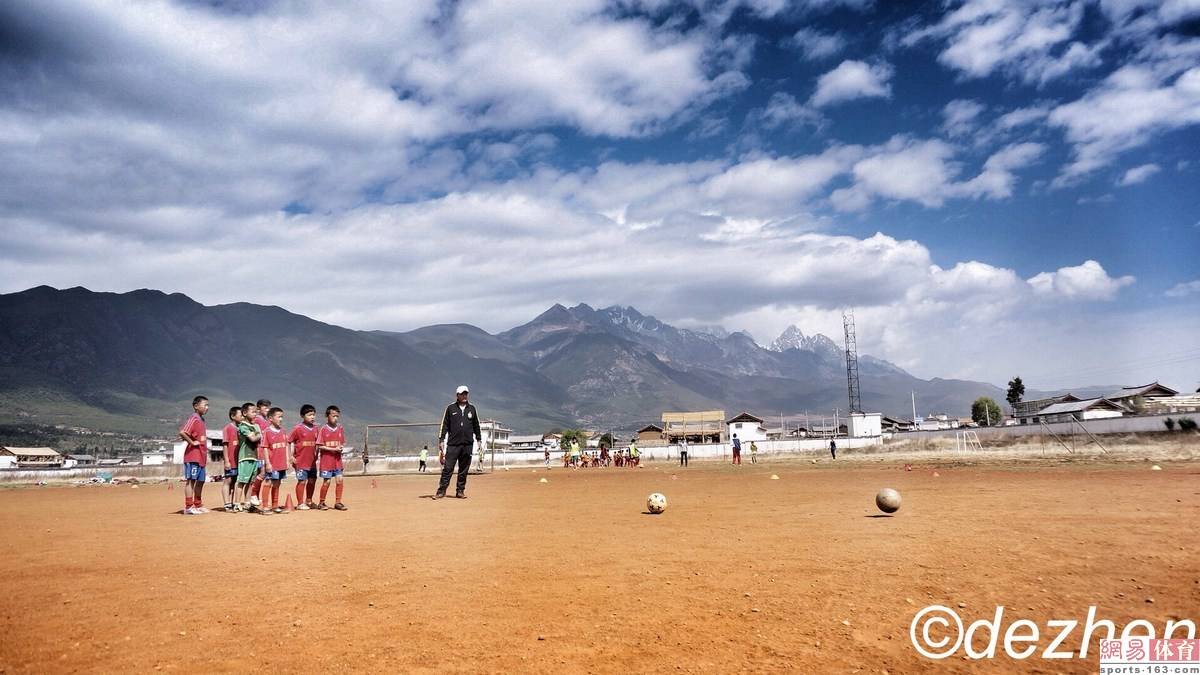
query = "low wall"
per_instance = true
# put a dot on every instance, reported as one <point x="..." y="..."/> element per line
<point x="88" y="472"/>
<point x="1113" y="425"/>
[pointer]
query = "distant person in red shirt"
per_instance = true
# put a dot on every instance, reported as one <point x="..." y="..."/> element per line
<point x="195" y="456"/>
<point x="260" y="419"/>
<point x="304" y="457"/>
<point x="230" y="438"/>
<point x="330" y="439"/>
<point x="275" y="440"/>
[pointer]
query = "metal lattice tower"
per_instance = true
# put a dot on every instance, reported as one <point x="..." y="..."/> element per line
<point x="852" y="363"/>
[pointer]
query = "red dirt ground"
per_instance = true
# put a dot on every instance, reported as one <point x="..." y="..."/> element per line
<point x="741" y="573"/>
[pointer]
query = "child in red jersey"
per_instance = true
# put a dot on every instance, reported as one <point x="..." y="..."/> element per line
<point x="195" y="456"/>
<point x="230" y="437"/>
<point x="330" y="439"/>
<point x="260" y="419"/>
<point x="304" y="457"/>
<point x="275" y="440"/>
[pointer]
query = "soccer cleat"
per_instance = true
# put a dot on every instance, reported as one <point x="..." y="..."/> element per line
<point x="460" y="495"/>
<point x="254" y="500"/>
<point x="192" y="511"/>
<point x="302" y="507"/>
<point x="229" y="508"/>
<point x="278" y="509"/>
<point x="311" y="505"/>
<point x="340" y="506"/>
<point x="265" y="512"/>
<point x="322" y="507"/>
<point x="439" y="495"/>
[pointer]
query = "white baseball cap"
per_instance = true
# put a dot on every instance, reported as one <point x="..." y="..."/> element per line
<point x="462" y="389"/>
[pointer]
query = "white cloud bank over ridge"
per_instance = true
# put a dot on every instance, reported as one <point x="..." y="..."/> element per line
<point x="314" y="105"/>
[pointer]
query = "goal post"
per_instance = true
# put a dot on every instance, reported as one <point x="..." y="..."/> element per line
<point x="396" y="448"/>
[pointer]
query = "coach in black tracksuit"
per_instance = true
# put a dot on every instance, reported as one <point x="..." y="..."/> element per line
<point x="459" y="432"/>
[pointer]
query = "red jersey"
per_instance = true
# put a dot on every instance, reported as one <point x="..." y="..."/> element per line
<point x="230" y="436"/>
<point x="275" y="443"/>
<point x="331" y="437"/>
<point x="263" y="425"/>
<point x="304" y="441"/>
<point x="194" y="427"/>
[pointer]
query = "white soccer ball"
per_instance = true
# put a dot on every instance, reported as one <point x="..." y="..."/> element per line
<point x="888" y="500"/>
<point x="656" y="503"/>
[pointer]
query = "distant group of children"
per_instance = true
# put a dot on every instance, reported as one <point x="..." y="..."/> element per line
<point x="257" y="454"/>
<point x="577" y="458"/>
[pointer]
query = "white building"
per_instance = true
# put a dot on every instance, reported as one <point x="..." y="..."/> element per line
<point x="866" y="425"/>
<point x="747" y="428"/>
<point x="495" y="435"/>
<point x="162" y="456"/>
<point x="938" y="422"/>
<point x="523" y="443"/>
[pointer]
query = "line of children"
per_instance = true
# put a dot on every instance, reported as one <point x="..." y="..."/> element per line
<point x="257" y="452"/>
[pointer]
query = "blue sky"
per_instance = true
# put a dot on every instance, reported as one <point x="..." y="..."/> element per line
<point x="996" y="188"/>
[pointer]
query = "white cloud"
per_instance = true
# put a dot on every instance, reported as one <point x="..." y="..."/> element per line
<point x="1088" y="281"/>
<point x="1184" y="289"/>
<point x="783" y="110"/>
<point x="1132" y="106"/>
<point x="925" y="172"/>
<point x="1138" y="174"/>
<point x="816" y="45"/>
<point x="961" y="116"/>
<point x="1027" y="39"/>
<point x="997" y="179"/>
<point x="1022" y="116"/>
<point x="170" y="104"/>
<point x="852" y="80"/>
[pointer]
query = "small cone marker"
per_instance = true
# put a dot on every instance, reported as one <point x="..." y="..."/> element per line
<point x="543" y="481"/>
<point x="1156" y="468"/>
<point x="374" y="484"/>
<point x="288" y="504"/>
<point x="170" y="486"/>
<point x="936" y="474"/>
<point x="774" y="477"/>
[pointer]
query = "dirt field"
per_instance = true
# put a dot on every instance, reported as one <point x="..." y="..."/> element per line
<point x="741" y="573"/>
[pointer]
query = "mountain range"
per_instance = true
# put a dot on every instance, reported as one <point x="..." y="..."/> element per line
<point x="133" y="361"/>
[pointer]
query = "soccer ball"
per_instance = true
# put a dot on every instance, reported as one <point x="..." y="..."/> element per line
<point x="656" y="503"/>
<point x="888" y="500"/>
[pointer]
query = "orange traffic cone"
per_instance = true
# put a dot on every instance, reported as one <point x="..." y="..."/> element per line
<point x="373" y="483"/>
<point x="170" y="486"/>
<point x="289" y="505"/>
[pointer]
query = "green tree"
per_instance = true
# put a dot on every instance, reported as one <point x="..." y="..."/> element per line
<point x="1169" y="423"/>
<point x="986" y="411"/>
<point x="573" y="435"/>
<point x="1016" y="391"/>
